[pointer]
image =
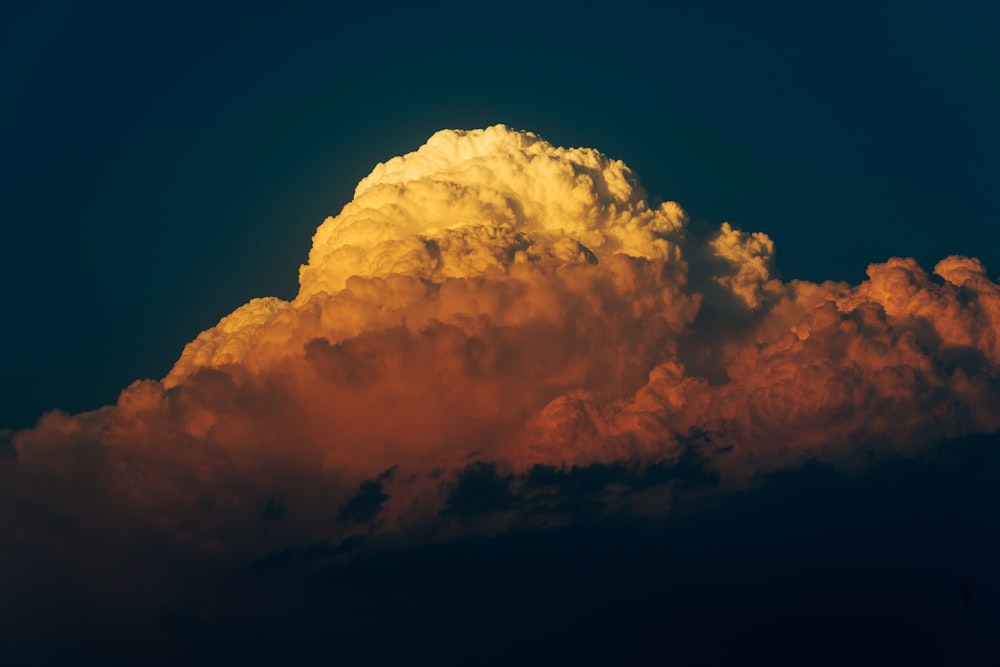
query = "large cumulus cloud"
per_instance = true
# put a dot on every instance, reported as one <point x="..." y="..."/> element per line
<point x="494" y="322"/>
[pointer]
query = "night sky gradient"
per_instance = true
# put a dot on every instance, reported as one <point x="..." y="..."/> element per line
<point x="162" y="166"/>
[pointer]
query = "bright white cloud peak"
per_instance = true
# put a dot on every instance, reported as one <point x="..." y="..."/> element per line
<point x="475" y="203"/>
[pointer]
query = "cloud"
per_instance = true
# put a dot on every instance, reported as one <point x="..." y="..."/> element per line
<point x="367" y="503"/>
<point x="479" y="489"/>
<point x="495" y="332"/>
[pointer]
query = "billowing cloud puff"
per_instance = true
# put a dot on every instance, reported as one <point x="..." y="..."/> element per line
<point x="473" y="206"/>
<point x="493" y="321"/>
<point x="467" y="203"/>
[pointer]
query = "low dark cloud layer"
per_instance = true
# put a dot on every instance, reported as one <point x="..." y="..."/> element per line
<point x="813" y="561"/>
<point x="369" y="500"/>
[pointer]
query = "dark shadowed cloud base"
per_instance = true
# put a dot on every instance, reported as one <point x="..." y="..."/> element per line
<point x="811" y="565"/>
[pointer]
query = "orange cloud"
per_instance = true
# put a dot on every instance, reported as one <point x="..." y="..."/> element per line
<point x="488" y="307"/>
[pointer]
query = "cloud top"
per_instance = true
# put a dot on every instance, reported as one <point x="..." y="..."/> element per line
<point x="469" y="202"/>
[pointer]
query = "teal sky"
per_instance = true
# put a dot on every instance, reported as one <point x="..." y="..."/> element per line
<point x="163" y="166"/>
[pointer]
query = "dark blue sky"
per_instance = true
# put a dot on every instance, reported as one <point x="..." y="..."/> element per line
<point x="162" y="166"/>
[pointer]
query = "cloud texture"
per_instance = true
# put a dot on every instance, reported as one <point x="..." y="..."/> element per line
<point x="498" y="331"/>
